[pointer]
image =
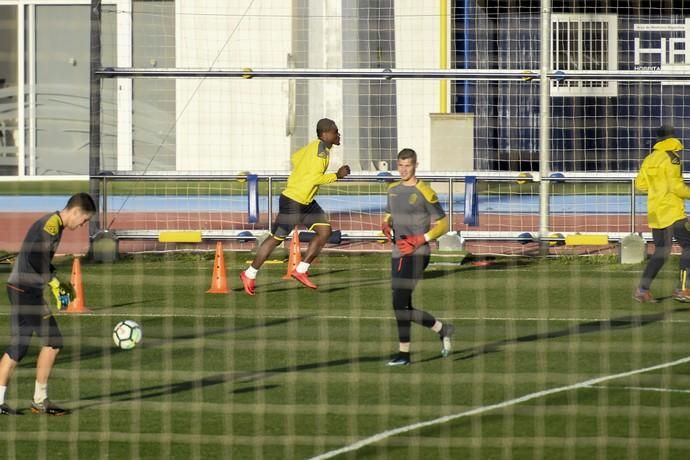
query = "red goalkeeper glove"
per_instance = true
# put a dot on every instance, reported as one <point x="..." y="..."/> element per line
<point x="387" y="230"/>
<point x="409" y="244"/>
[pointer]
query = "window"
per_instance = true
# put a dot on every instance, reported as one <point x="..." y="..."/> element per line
<point x="8" y="91"/>
<point x="584" y="42"/>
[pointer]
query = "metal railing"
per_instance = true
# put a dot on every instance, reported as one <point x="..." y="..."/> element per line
<point x="510" y="204"/>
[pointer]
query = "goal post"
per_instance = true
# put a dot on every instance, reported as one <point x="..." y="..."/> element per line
<point x="236" y="87"/>
<point x="491" y="212"/>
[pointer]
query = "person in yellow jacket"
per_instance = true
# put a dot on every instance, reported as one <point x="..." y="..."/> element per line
<point x="298" y="206"/>
<point x="661" y="176"/>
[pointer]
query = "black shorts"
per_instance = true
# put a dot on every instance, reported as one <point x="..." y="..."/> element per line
<point x="292" y="213"/>
<point x="29" y="314"/>
<point x="407" y="271"/>
<point x="680" y="230"/>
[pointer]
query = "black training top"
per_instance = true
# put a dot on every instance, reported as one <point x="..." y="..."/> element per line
<point x="33" y="268"/>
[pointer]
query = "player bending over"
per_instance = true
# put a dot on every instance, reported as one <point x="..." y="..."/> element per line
<point x="29" y="313"/>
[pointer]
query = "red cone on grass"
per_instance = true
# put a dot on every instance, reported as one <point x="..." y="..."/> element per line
<point x="219" y="282"/>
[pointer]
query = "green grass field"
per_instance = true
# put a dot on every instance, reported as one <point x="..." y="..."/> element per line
<point x="294" y="373"/>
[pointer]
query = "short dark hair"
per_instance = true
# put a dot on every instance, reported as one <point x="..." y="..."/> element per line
<point x="82" y="201"/>
<point x="665" y="131"/>
<point x="325" y="124"/>
<point x="407" y="154"/>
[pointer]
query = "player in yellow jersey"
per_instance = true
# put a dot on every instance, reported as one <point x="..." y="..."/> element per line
<point x="661" y="176"/>
<point x="297" y="204"/>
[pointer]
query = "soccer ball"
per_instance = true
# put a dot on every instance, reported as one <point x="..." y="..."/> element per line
<point x="127" y="334"/>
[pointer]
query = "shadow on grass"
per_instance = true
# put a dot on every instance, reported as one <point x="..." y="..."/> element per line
<point x="497" y="262"/>
<point x="486" y="263"/>
<point x="85" y="353"/>
<point x="135" y="302"/>
<point x="439" y="270"/>
<point x="285" y="284"/>
<point x="472" y="262"/>
<point x="624" y="322"/>
<point x="239" y="378"/>
<point x="349" y="284"/>
<point x="326" y="287"/>
<point x="229" y="330"/>
<point x="254" y="389"/>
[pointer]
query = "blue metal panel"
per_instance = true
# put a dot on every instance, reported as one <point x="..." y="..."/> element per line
<point x="252" y="198"/>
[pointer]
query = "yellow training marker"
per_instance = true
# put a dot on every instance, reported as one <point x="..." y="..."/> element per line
<point x="180" y="237"/>
<point x="586" y="240"/>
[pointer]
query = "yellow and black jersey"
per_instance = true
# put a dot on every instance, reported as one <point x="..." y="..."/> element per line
<point x="661" y="176"/>
<point x="411" y="209"/>
<point x="309" y="165"/>
<point x="33" y="268"/>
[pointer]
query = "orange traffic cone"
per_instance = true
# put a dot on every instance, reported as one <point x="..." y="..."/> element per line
<point x="219" y="283"/>
<point x="77" y="305"/>
<point x="295" y="255"/>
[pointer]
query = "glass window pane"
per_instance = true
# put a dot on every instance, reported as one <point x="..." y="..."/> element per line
<point x="8" y="90"/>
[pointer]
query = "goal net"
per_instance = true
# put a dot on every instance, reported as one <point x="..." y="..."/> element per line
<point x="228" y="88"/>
<point x="198" y="107"/>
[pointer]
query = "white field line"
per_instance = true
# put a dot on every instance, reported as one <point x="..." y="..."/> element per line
<point x="480" y="410"/>
<point x="307" y="315"/>
<point x="657" y="390"/>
